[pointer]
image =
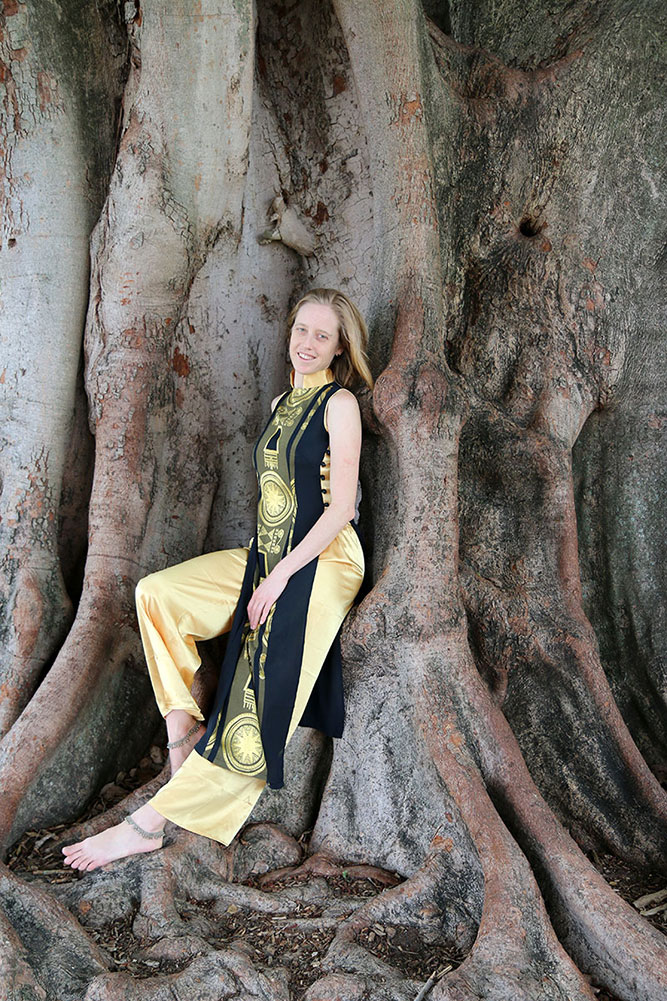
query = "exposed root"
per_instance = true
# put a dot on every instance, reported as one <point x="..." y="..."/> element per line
<point x="352" y="987"/>
<point x="180" y="916"/>
<point x="15" y="971"/>
<point x="49" y="947"/>
<point x="324" y="931"/>
<point x="261" y="848"/>
<point x="321" y="864"/>
<point x="220" y="975"/>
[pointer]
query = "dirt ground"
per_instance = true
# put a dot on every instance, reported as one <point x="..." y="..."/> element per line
<point x="298" y="946"/>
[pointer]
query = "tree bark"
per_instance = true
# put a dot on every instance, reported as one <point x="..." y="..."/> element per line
<point x="62" y="77"/>
<point x="491" y="197"/>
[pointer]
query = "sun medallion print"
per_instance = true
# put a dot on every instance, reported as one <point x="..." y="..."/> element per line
<point x="242" y="745"/>
<point x="277" y="503"/>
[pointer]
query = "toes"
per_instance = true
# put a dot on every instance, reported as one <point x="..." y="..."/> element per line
<point x="74" y="859"/>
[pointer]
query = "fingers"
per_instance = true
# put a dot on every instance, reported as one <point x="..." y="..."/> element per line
<point x="258" y="611"/>
<point x="253" y="614"/>
<point x="262" y="601"/>
<point x="257" y="615"/>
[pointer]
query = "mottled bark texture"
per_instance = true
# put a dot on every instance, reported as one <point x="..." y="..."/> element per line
<point x="490" y="187"/>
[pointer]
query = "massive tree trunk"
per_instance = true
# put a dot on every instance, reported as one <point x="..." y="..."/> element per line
<point x="487" y="190"/>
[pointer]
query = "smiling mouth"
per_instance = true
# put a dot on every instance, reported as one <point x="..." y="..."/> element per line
<point x="305" y="357"/>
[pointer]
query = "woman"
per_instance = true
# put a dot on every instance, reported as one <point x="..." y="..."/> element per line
<point x="283" y="600"/>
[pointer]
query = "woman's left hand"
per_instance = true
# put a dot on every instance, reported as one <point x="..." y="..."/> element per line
<point x="265" y="596"/>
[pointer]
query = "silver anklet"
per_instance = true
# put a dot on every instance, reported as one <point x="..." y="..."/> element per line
<point x="141" y="831"/>
<point x="183" y="740"/>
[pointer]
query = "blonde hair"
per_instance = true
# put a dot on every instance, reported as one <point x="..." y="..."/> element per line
<point x="352" y="365"/>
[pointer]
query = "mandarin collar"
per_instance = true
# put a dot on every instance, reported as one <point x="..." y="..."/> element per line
<point x="310" y="380"/>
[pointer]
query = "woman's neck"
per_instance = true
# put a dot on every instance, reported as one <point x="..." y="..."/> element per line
<point x="311" y="379"/>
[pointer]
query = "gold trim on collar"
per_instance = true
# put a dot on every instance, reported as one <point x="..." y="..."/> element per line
<point x="310" y="380"/>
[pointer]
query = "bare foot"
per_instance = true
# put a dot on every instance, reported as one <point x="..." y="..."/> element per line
<point x="116" y="842"/>
<point x="179" y="724"/>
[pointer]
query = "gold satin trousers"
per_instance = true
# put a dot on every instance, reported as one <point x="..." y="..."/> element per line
<point x="196" y="600"/>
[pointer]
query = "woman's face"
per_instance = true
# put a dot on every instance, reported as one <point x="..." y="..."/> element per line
<point x="314" y="340"/>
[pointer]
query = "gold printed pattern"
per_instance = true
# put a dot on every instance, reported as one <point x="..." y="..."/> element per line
<point x="240" y="748"/>
<point x="242" y="745"/>
<point x="290" y="415"/>
<point x="249" y="698"/>
<point x="270" y="541"/>
<point x="277" y="501"/>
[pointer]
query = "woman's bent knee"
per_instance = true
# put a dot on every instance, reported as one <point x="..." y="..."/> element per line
<point x="146" y="587"/>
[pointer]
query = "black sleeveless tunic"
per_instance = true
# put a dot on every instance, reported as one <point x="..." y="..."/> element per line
<point x="247" y="728"/>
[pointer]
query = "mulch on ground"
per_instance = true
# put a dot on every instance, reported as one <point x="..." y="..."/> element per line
<point x="277" y="940"/>
<point x="633" y="885"/>
<point x="403" y="948"/>
<point x="400" y="946"/>
<point x="269" y="940"/>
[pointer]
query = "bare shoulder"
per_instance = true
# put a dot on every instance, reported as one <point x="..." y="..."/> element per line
<point x="343" y="402"/>
<point x="342" y="412"/>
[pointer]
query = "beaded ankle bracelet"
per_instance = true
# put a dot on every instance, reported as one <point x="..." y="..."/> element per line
<point x="141" y="831"/>
<point x="183" y="740"/>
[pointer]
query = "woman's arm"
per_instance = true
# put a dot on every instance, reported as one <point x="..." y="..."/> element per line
<point x="344" y="422"/>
